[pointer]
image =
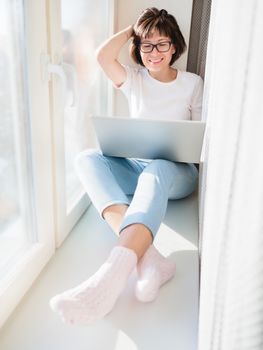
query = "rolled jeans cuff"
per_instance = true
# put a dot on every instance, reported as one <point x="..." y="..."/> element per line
<point x="140" y="218"/>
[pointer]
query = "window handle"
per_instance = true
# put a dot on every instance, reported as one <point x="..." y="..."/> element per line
<point x="61" y="70"/>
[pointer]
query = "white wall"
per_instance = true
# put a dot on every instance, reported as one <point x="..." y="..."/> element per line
<point x="126" y="14"/>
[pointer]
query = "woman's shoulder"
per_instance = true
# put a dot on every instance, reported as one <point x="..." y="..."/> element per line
<point x="134" y="77"/>
<point x="191" y="81"/>
<point x="191" y="77"/>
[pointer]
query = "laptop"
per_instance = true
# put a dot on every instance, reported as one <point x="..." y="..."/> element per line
<point x="178" y="140"/>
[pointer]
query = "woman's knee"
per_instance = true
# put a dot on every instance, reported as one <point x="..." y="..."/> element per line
<point x="160" y="172"/>
<point x="171" y="176"/>
<point x="185" y="183"/>
<point x="87" y="157"/>
<point x="161" y="167"/>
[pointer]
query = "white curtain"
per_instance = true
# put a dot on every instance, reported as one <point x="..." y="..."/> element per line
<point x="231" y="295"/>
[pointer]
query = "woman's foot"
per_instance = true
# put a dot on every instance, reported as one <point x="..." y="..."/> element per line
<point x="94" y="298"/>
<point x="153" y="271"/>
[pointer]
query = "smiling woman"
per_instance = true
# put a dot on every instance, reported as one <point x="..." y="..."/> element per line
<point x="156" y="53"/>
<point x="155" y="89"/>
<point x="154" y="26"/>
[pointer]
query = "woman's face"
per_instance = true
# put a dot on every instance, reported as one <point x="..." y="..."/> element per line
<point x="156" y="61"/>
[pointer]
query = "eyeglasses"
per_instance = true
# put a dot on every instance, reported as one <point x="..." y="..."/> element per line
<point x="163" y="46"/>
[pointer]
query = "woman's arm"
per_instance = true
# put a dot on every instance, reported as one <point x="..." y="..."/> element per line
<point x="197" y="100"/>
<point x="107" y="56"/>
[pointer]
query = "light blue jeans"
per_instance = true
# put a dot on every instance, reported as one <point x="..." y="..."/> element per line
<point x="110" y="180"/>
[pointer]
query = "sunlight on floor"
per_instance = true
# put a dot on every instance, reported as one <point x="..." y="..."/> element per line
<point x="124" y="342"/>
<point x="176" y="241"/>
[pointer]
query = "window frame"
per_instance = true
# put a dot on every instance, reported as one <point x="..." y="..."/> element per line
<point x="65" y="219"/>
<point x="21" y="276"/>
<point x="42" y="25"/>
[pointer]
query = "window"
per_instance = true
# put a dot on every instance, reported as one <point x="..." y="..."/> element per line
<point x="17" y="210"/>
<point x="44" y="123"/>
<point x="76" y="30"/>
<point x="26" y="210"/>
<point x="84" y="26"/>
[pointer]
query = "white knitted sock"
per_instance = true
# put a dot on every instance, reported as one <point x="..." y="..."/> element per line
<point x="94" y="298"/>
<point x="153" y="271"/>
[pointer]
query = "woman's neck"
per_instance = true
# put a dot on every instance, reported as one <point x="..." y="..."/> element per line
<point x="164" y="76"/>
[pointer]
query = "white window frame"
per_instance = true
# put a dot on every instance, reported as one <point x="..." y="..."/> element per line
<point x="65" y="220"/>
<point x="21" y="276"/>
<point x="53" y="223"/>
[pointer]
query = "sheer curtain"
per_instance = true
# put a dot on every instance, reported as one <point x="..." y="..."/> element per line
<point x="231" y="295"/>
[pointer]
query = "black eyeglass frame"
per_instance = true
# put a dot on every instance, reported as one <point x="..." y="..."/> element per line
<point x="155" y="46"/>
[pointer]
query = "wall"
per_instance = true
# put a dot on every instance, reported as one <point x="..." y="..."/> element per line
<point x="125" y="15"/>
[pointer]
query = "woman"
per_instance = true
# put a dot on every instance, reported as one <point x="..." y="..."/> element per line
<point x="154" y="90"/>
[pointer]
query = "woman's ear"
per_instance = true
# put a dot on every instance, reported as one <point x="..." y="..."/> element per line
<point x="173" y="49"/>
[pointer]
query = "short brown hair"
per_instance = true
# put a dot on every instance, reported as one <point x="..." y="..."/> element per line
<point x="160" y="20"/>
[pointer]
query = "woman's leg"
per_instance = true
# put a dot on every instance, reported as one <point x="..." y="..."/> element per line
<point x="107" y="181"/>
<point x="95" y="297"/>
<point x="160" y="180"/>
<point x="114" y="215"/>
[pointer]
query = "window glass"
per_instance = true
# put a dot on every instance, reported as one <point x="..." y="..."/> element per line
<point x="84" y="26"/>
<point x="16" y="180"/>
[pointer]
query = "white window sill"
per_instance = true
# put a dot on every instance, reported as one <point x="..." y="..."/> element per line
<point x="169" y="322"/>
